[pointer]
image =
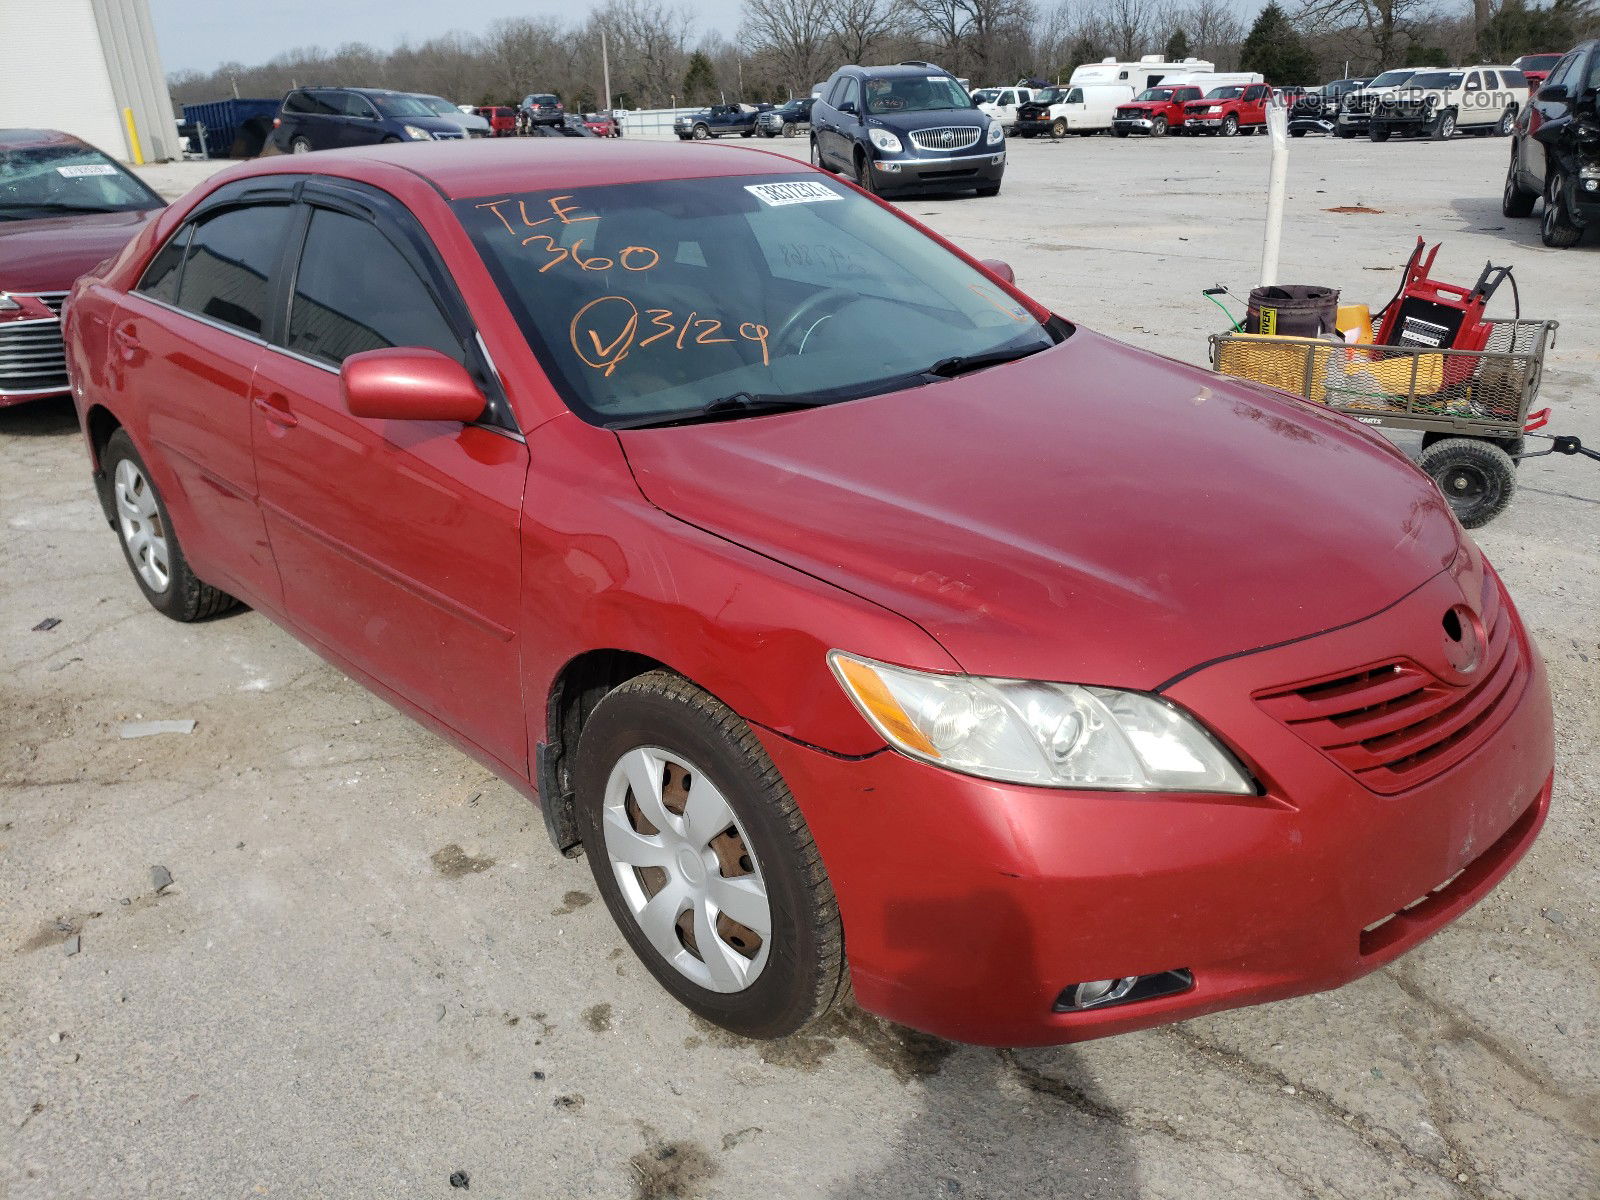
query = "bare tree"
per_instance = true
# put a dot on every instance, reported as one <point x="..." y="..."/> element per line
<point x="520" y="53"/>
<point x="1384" y="22"/>
<point x="793" y="36"/>
<point x="1215" y="31"/>
<point x="649" y="46"/>
<point x="1131" y="27"/>
<point x="859" y="29"/>
<point x="970" y="35"/>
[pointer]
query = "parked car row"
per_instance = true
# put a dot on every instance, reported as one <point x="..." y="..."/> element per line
<point x="1555" y="150"/>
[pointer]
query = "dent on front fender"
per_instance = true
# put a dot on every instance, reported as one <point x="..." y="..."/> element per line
<point x="603" y="568"/>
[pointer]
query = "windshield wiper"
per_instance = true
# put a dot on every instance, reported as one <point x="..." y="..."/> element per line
<point x="739" y="404"/>
<point x="962" y="364"/>
<point x="11" y="210"/>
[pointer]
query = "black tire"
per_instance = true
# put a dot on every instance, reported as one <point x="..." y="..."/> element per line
<point x="700" y="132"/>
<point x="1342" y="133"/>
<point x="1121" y="133"/>
<point x="1556" y="227"/>
<point x="1058" y="128"/>
<point x="1377" y="135"/>
<point x="864" y="174"/>
<point x="1478" y="478"/>
<point x="1297" y="133"/>
<point x="789" y="130"/>
<point x="1444" y="126"/>
<point x="747" y="133"/>
<point x="1159" y="127"/>
<point x="816" y="157"/>
<point x="185" y="597"/>
<point x="1507" y="120"/>
<point x="804" y="973"/>
<point x="1516" y="200"/>
<point x="300" y="145"/>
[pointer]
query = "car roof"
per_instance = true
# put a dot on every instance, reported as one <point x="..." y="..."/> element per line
<point x="487" y="166"/>
<point x="16" y="139"/>
<point x="897" y="71"/>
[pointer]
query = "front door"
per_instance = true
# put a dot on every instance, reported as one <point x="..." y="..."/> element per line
<point x="397" y="540"/>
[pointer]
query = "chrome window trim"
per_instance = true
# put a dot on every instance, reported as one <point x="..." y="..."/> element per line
<point x="194" y="316"/>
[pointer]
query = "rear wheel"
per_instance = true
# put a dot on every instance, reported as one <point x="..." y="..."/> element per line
<point x="704" y="859"/>
<point x="1374" y="133"/>
<point x="1556" y="228"/>
<point x="1477" y="477"/>
<point x="1507" y="120"/>
<point x="1516" y="200"/>
<point x="789" y="129"/>
<point x="149" y="542"/>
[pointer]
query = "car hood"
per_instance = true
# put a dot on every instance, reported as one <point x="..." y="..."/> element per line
<point x="48" y="254"/>
<point x="910" y="122"/>
<point x="1094" y="513"/>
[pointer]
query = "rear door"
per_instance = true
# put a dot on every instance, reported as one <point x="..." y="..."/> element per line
<point x="188" y="339"/>
<point x="358" y="124"/>
<point x="397" y="540"/>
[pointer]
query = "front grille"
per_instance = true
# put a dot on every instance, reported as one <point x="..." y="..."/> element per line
<point x="947" y="137"/>
<point x="1129" y="114"/>
<point x="32" y="358"/>
<point x="1394" y="725"/>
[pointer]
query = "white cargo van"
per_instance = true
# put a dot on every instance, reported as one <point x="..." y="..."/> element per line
<point x="1074" y="108"/>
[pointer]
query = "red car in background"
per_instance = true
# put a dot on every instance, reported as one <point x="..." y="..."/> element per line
<point x="1154" y="111"/>
<point x="502" y="120"/>
<point x="872" y="629"/>
<point x="1228" y="110"/>
<point x="64" y="208"/>
<point x="1537" y="68"/>
<point x="604" y="124"/>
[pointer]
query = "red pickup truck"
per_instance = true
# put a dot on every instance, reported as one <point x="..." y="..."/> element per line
<point x="1229" y="110"/>
<point x="1153" y="111"/>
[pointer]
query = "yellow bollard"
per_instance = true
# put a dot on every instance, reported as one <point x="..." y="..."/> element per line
<point x="133" y="138"/>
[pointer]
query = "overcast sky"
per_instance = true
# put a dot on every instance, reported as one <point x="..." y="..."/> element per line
<point x="201" y="34"/>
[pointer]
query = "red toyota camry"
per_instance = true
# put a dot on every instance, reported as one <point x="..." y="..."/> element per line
<point x="861" y="620"/>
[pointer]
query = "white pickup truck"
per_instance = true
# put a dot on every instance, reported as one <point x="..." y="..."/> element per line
<point x="1082" y="109"/>
<point x="1001" y="103"/>
<point x="1440" y="104"/>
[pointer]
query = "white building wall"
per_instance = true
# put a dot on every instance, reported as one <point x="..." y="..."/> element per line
<point x="74" y="65"/>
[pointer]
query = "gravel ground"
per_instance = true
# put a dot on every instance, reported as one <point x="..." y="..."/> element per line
<point x="369" y="972"/>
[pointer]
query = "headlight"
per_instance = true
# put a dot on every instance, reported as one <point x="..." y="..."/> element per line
<point x="885" y="141"/>
<point x="1046" y="734"/>
<point x="417" y="132"/>
<point x="997" y="133"/>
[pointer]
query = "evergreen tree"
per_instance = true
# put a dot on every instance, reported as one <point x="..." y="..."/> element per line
<point x="1519" y="29"/>
<point x="1275" y="49"/>
<point x="1177" y="46"/>
<point x="700" y="80"/>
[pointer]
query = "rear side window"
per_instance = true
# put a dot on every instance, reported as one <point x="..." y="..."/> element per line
<point x="160" y="279"/>
<point x="297" y="102"/>
<point x="228" y="265"/>
<point x="356" y="292"/>
<point x="1513" y="79"/>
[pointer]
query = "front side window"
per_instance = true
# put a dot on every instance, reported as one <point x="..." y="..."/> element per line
<point x="1223" y="93"/>
<point x="160" y="278"/>
<point x="401" y="106"/>
<point x="354" y="291"/>
<point x="1156" y="95"/>
<point x="228" y="264"/>
<point x="647" y="302"/>
<point x="1442" y="81"/>
<point x="65" y="178"/>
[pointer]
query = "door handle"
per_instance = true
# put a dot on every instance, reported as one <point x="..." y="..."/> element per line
<point x="275" y="408"/>
<point x="128" y="344"/>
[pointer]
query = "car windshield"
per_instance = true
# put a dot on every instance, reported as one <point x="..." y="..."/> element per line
<point x="1390" y="78"/>
<point x="58" y="180"/>
<point x="987" y="95"/>
<point x="402" y="106"/>
<point x="1224" y="93"/>
<point x="1156" y="94"/>
<point x="648" y="302"/>
<point x="1435" y="79"/>
<point x="439" y="105"/>
<point x="545" y="101"/>
<point x="916" y="93"/>
<point x="1536" y="62"/>
<point x="1047" y="96"/>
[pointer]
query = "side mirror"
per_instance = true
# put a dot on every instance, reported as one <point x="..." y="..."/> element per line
<point x="849" y="106"/>
<point x="999" y="266"/>
<point x="409" y="384"/>
<point x="1552" y="92"/>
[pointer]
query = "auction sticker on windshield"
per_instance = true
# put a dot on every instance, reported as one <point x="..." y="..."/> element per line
<point x="777" y="194"/>
<point x="79" y="170"/>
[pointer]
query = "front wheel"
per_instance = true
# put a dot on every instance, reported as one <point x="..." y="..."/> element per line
<point x="864" y="173"/>
<point x="1297" y="133"/>
<point x="816" y="157"/>
<point x="1058" y="128"/>
<point x="1158" y="127"/>
<point x="701" y="133"/>
<point x="705" y="860"/>
<point x="1557" y="229"/>
<point x="1377" y="135"/>
<point x="1230" y="125"/>
<point x="149" y="542"/>
<point x="788" y="129"/>
<point x="1444" y="127"/>
<point x="1477" y="477"/>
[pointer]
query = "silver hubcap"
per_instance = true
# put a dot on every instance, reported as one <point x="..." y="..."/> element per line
<point x="686" y="871"/>
<point x="142" y="528"/>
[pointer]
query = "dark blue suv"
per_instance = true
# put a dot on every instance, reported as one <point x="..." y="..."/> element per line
<point x="328" y="118"/>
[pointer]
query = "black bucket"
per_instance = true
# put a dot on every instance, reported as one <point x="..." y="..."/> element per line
<point x="1292" y="310"/>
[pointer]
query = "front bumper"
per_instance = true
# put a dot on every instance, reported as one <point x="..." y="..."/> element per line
<point x="1134" y="124"/>
<point x="1311" y="125"/>
<point x="955" y="171"/>
<point x="1203" y="122"/>
<point x="969" y="906"/>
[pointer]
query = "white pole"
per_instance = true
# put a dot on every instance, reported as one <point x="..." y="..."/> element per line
<point x="605" y="66"/>
<point x="1278" y="131"/>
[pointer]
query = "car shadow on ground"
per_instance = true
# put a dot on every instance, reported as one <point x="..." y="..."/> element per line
<point x="988" y="1122"/>
<point x="1482" y="214"/>
<point x="39" y="418"/>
